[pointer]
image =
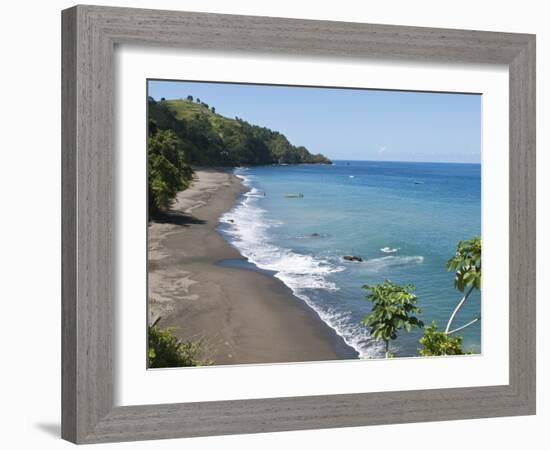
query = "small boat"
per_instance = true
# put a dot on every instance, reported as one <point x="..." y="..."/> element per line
<point x="418" y="182"/>
<point x="300" y="195"/>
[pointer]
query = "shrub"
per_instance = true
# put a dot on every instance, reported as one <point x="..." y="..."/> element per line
<point x="166" y="350"/>
<point x="439" y="343"/>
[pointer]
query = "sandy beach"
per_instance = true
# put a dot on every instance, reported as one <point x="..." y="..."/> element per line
<point x="242" y="316"/>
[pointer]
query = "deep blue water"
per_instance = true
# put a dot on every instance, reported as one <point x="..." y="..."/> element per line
<point x="403" y="219"/>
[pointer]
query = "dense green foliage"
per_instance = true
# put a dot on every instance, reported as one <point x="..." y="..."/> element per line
<point x="467" y="264"/>
<point x="209" y="139"/>
<point x="392" y="310"/>
<point x="188" y="132"/>
<point x="393" y="305"/>
<point x="439" y="343"/>
<point x="168" y="171"/>
<point x="165" y="350"/>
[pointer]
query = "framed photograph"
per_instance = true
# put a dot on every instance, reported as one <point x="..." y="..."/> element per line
<point x="278" y="224"/>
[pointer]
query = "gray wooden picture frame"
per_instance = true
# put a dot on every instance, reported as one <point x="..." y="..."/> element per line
<point x="90" y="34"/>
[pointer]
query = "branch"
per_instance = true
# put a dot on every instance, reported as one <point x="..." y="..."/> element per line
<point x="460" y="303"/>
<point x="464" y="326"/>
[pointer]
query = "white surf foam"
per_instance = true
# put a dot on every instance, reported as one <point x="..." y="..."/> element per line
<point x="353" y="334"/>
<point x="389" y="250"/>
<point x="247" y="229"/>
<point x="384" y="262"/>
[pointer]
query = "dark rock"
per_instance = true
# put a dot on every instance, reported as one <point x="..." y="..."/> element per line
<point x="352" y="258"/>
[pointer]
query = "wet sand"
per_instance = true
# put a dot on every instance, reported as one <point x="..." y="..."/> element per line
<point x="241" y="316"/>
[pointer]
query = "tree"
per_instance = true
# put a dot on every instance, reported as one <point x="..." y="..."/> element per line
<point x="393" y="309"/>
<point x="163" y="184"/>
<point x="168" y="171"/>
<point x="467" y="265"/>
<point x="439" y="343"/>
<point x="152" y="127"/>
<point x="198" y="100"/>
<point x="190" y="98"/>
<point x="210" y="140"/>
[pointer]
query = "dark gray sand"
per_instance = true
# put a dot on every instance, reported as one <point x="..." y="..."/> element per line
<point x="200" y="285"/>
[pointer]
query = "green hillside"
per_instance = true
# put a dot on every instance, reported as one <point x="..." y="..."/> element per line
<point x="182" y="133"/>
<point x="211" y="139"/>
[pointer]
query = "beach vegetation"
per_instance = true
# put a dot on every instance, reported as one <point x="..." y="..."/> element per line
<point x="439" y="343"/>
<point x="466" y="263"/>
<point x="393" y="309"/>
<point x="168" y="171"/>
<point x="166" y="350"/>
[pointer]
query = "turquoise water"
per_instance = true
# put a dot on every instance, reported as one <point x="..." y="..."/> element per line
<point x="403" y="219"/>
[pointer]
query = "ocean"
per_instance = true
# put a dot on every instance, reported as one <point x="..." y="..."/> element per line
<point x="404" y="219"/>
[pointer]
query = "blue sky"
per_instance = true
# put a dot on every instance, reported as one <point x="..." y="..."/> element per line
<point x="358" y="124"/>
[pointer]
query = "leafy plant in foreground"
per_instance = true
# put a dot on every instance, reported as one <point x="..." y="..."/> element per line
<point x="393" y="309"/>
<point x="467" y="266"/>
<point x="166" y="350"/>
<point x="439" y="343"/>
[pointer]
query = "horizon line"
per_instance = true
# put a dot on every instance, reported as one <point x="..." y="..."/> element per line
<point x="401" y="161"/>
<point x="263" y="126"/>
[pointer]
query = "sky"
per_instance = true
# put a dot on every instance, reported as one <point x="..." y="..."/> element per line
<point x="352" y="124"/>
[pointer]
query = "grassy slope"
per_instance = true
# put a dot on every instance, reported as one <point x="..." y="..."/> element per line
<point x="186" y="109"/>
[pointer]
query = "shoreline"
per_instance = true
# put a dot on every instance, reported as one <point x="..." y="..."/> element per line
<point x="200" y="284"/>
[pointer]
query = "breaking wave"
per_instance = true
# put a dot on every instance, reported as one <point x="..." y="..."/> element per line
<point x="247" y="228"/>
<point x="389" y="250"/>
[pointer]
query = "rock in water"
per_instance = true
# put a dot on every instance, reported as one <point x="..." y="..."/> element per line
<point x="352" y="258"/>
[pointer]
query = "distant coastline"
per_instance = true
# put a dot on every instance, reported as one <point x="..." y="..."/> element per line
<point x="340" y="161"/>
<point x="211" y="139"/>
